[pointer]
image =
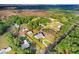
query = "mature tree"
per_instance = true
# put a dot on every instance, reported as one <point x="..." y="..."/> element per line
<point x="3" y="27"/>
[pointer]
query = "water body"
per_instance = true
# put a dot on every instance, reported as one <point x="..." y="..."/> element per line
<point x="38" y="7"/>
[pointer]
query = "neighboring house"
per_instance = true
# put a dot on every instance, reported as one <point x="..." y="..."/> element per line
<point x="25" y="44"/>
<point x="23" y="31"/>
<point x="29" y="33"/>
<point x="5" y="50"/>
<point x="16" y="25"/>
<point x="8" y="49"/>
<point x="2" y="51"/>
<point x="39" y="36"/>
<point x="59" y="26"/>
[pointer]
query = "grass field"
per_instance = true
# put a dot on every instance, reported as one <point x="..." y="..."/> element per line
<point x="3" y="42"/>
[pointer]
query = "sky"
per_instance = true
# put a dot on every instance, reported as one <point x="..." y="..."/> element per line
<point x="39" y="1"/>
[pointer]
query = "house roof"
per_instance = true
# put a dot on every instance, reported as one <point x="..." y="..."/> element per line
<point x="22" y="33"/>
<point x="25" y="44"/>
<point x="4" y="50"/>
<point x="29" y="32"/>
<point x="39" y="36"/>
<point x="16" y="25"/>
<point x="8" y="49"/>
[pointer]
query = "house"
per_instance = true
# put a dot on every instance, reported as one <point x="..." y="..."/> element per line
<point x="25" y="44"/>
<point x="16" y="25"/>
<point x="59" y="26"/>
<point x="4" y="50"/>
<point x="23" y="31"/>
<point x="8" y="49"/>
<point x="29" y="33"/>
<point x="39" y="36"/>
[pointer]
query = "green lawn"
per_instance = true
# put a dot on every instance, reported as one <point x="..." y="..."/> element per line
<point x="3" y="42"/>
